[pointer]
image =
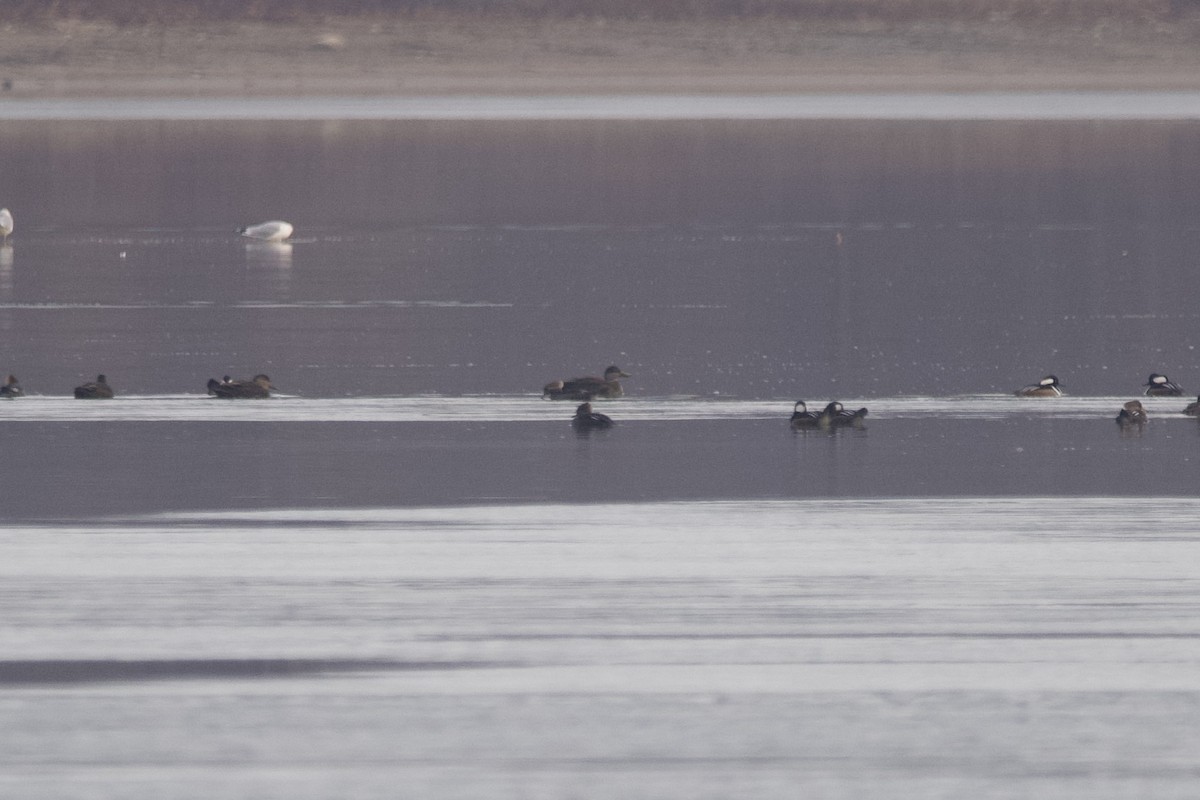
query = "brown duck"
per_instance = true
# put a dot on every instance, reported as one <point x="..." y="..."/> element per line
<point x="94" y="390"/>
<point x="257" y="387"/>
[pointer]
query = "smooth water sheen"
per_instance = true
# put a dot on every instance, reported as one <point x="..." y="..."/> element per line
<point x="406" y="575"/>
<point x="903" y="648"/>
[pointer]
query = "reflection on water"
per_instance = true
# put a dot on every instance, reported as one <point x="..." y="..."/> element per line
<point x="6" y="272"/>
<point x="269" y="254"/>
<point x="193" y="452"/>
<point x="1005" y="647"/>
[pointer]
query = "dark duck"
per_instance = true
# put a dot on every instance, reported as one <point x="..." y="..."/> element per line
<point x="1132" y="413"/>
<point x="836" y="416"/>
<point x="1193" y="409"/>
<point x="803" y="418"/>
<point x="587" y="420"/>
<point x="94" y="390"/>
<point x="257" y="387"/>
<point x="11" y="388"/>
<point x="1160" y="386"/>
<point x="589" y="388"/>
<point x="1046" y="387"/>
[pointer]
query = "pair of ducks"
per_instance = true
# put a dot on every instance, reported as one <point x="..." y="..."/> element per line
<point x="257" y="387"/>
<point x="92" y="390"/>
<point x="1156" y="386"/>
<point x="834" y="415"/>
<point x="1132" y="412"/>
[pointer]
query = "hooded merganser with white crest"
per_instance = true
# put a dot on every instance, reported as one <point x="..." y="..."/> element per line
<point x="802" y="417"/>
<point x="836" y="416"/>
<point x="1046" y="387"/>
<point x="11" y="388"/>
<point x="1160" y="386"/>
<point x="589" y="388"/>
<point x="257" y="387"/>
<point x="95" y="390"/>
<point x="587" y="420"/>
<point x="1132" y="413"/>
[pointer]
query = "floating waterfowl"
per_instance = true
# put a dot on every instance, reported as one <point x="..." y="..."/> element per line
<point x="257" y="387"/>
<point x="1132" y="413"/>
<point x="95" y="390"/>
<point x="11" y="388"/>
<point x="1046" y="387"/>
<point x="1193" y="409"/>
<point x="1160" y="386"/>
<point x="589" y="388"/>
<point x="836" y="416"/>
<point x="275" y="230"/>
<point x="802" y="417"/>
<point x="6" y="223"/>
<point x="587" y="420"/>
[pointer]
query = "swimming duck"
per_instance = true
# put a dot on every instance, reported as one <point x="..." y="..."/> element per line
<point x="588" y="388"/>
<point x="1159" y="386"/>
<point x="1046" y="387"/>
<point x="257" y="387"/>
<point x="274" y="231"/>
<point x="11" y="388"/>
<point x="836" y="416"/>
<point x="802" y="417"/>
<point x="587" y="420"/>
<point x="6" y="223"/>
<point x="1132" y="414"/>
<point x="97" y="390"/>
<point x="1193" y="409"/>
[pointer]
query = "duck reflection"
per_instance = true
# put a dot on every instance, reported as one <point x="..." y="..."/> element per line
<point x="269" y="254"/>
<point x="6" y="271"/>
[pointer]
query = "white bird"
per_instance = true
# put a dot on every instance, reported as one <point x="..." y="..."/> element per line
<point x="6" y="223"/>
<point x="273" y="231"/>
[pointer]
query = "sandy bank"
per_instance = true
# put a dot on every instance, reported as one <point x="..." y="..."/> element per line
<point x="468" y="55"/>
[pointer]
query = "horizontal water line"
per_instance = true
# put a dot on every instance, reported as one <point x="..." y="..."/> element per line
<point x="531" y="408"/>
<point x="1162" y="105"/>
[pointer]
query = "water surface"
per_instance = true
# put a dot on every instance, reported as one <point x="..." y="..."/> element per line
<point x="405" y="569"/>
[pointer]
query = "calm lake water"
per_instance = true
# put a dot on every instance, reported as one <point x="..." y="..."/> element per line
<point x="407" y="570"/>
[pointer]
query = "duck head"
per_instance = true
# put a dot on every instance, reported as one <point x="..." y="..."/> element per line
<point x="614" y="372"/>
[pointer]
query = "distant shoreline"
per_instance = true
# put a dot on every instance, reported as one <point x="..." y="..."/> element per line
<point x="473" y="54"/>
<point x="909" y="106"/>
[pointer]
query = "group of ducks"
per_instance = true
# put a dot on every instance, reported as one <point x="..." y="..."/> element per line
<point x="227" y="388"/>
<point x="834" y="415"/>
<point x="1133" y="412"/>
<point x="608" y="387"/>
<point x="257" y="387"/>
